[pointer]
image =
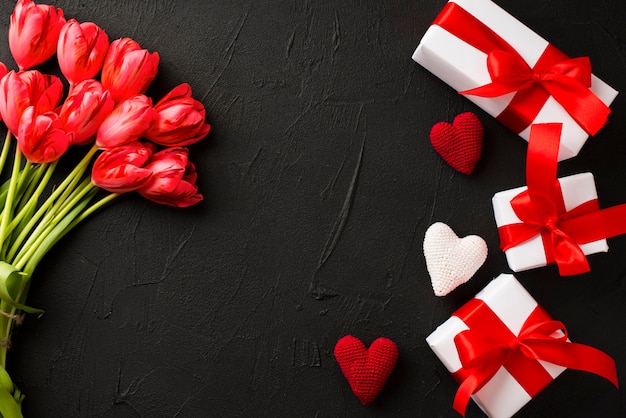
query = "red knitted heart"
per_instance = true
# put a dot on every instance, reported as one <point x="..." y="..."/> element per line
<point x="459" y="143"/>
<point x="366" y="369"/>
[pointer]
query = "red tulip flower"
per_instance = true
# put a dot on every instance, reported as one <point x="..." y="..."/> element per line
<point x="81" y="50"/>
<point x="34" y="32"/>
<point x="41" y="137"/>
<point x="180" y="119"/>
<point x="126" y="123"/>
<point x="28" y="88"/>
<point x="173" y="180"/>
<point x="84" y="110"/>
<point x="3" y="70"/>
<point x="119" y="169"/>
<point x="128" y="70"/>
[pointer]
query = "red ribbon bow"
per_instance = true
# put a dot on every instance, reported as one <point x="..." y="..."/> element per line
<point x="510" y="73"/>
<point x="541" y="209"/>
<point x="489" y="345"/>
<point x="555" y="74"/>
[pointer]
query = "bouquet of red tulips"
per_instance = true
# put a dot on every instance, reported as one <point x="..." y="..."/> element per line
<point x="130" y="145"/>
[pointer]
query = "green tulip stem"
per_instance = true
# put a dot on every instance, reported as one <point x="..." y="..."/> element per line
<point x="7" y="212"/>
<point x="102" y="202"/>
<point x="47" y="207"/>
<point x="55" y="217"/>
<point x="5" y="150"/>
<point x="34" y="182"/>
<point x="33" y="196"/>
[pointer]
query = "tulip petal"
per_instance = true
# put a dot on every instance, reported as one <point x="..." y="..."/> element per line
<point x="119" y="170"/>
<point x="33" y="32"/>
<point x="40" y="137"/>
<point x="173" y="179"/>
<point x="128" y="70"/>
<point x="180" y="119"/>
<point x="126" y="123"/>
<point x="81" y="50"/>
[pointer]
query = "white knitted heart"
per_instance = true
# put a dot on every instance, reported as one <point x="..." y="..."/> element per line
<point x="450" y="260"/>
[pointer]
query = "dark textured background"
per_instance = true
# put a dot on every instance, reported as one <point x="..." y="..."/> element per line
<point x="319" y="185"/>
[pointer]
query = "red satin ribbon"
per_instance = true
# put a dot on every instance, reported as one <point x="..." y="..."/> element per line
<point x="567" y="80"/>
<point x="541" y="209"/>
<point x="489" y="345"/>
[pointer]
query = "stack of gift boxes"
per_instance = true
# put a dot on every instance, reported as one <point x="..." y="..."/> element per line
<point x="501" y="347"/>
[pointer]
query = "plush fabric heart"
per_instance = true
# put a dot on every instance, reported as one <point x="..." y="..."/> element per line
<point x="459" y="143"/>
<point x="450" y="260"/>
<point x="366" y="369"/>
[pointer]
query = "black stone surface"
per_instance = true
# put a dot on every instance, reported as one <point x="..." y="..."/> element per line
<point x="319" y="184"/>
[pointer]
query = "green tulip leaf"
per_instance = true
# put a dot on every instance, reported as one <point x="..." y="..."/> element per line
<point x="11" y="281"/>
<point x="9" y="406"/>
<point x="10" y="397"/>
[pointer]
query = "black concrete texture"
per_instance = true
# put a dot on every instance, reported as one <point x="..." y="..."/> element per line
<point x="319" y="182"/>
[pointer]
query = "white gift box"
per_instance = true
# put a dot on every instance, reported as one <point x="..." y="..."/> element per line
<point x="502" y="396"/>
<point x="464" y="67"/>
<point x="576" y="189"/>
